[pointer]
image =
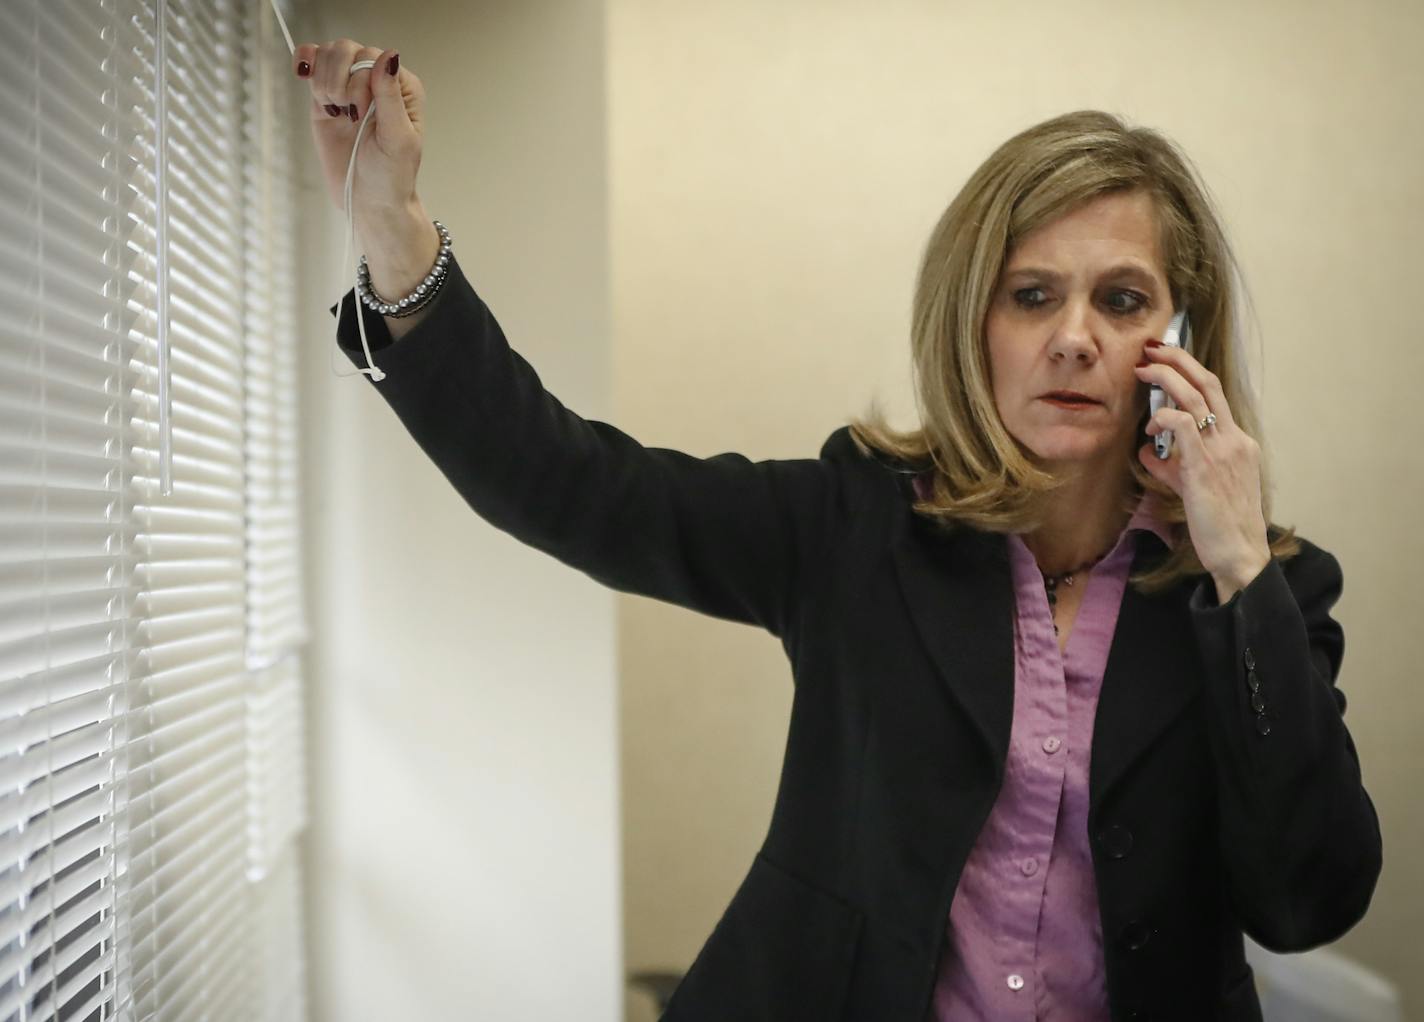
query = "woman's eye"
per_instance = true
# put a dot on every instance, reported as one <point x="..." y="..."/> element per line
<point x="1136" y="301"/>
<point x="1032" y="298"/>
<point x="1027" y="303"/>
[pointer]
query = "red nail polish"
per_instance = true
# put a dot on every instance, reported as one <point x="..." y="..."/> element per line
<point x="1154" y="344"/>
<point x="1144" y="362"/>
<point x="303" y="69"/>
<point x="393" y="65"/>
<point x="352" y="110"/>
<point x="332" y="110"/>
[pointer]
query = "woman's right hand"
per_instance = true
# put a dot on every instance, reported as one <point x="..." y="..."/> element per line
<point x="386" y="167"/>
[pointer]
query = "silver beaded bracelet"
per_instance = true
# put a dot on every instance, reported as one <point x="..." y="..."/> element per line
<point x="417" y="299"/>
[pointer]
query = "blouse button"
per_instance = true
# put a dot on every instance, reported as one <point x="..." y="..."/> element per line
<point x="1029" y="867"/>
<point x="1015" y="982"/>
<point x="1051" y="744"/>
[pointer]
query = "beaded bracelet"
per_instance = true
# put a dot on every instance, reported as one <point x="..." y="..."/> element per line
<point x="417" y="299"/>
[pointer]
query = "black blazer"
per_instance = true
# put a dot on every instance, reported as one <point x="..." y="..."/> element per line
<point x="901" y="649"/>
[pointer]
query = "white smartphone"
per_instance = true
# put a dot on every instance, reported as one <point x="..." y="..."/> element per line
<point x="1179" y="335"/>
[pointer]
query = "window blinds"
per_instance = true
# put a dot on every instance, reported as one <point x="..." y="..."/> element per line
<point x="151" y="761"/>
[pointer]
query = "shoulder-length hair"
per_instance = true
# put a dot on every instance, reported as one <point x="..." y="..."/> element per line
<point x="977" y="473"/>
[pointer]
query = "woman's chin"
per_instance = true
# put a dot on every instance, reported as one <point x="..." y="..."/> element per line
<point x="1067" y="443"/>
<point x="1057" y="453"/>
<point x="1069" y="449"/>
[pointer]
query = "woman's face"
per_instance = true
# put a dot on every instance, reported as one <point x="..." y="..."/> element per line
<point x="1076" y="302"/>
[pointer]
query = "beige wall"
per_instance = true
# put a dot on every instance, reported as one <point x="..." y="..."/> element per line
<point x="463" y="856"/>
<point x="729" y="203"/>
<point x="776" y="168"/>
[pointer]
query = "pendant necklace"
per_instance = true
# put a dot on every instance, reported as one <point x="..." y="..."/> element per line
<point x="1050" y="582"/>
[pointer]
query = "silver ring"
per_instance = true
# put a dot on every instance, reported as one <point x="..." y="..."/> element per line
<point x="360" y="65"/>
<point x="1210" y="420"/>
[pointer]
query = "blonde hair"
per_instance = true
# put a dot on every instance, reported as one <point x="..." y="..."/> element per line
<point x="979" y="476"/>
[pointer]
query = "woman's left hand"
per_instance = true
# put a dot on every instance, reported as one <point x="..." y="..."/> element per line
<point x="1216" y="471"/>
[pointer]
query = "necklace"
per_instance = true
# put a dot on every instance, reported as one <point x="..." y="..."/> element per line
<point x="1050" y="582"/>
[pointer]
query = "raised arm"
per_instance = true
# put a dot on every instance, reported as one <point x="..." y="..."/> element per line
<point x="725" y="536"/>
<point x="732" y="538"/>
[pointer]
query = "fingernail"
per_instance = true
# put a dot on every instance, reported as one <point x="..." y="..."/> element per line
<point x="303" y="69"/>
<point x="333" y="110"/>
<point x="393" y="65"/>
<point x="1144" y="362"/>
<point x="1154" y="344"/>
<point x="353" y="111"/>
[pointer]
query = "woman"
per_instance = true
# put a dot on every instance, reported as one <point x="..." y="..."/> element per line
<point x="1066" y="721"/>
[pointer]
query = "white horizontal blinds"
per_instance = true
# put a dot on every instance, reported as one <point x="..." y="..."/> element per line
<point x="276" y="620"/>
<point x="277" y="811"/>
<point x="275" y="743"/>
<point x="276" y="790"/>
<point x="150" y="776"/>
<point x="66" y="539"/>
<point x="192" y="932"/>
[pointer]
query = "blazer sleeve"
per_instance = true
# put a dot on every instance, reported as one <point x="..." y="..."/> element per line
<point x="1299" y="835"/>
<point x="725" y="536"/>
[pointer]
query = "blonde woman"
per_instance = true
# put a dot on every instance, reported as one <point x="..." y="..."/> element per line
<point x="1066" y="722"/>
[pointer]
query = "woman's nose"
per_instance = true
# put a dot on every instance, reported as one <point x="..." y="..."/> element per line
<point x="1073" y="334"/>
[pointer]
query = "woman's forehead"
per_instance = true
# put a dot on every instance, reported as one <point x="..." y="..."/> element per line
<point x="1114" y="235"/>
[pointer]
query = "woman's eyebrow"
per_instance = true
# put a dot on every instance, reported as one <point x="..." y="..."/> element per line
<point x="1119" y="272"/>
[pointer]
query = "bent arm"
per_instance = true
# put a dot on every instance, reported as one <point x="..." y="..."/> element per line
<point x="1298" y="833"/>
<point x="724" y="536"/>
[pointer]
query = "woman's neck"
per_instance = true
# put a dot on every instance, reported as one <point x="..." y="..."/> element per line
<point x="1083" y="524"/>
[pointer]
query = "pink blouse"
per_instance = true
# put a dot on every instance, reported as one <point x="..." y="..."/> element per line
<point x="1024" y="937"/>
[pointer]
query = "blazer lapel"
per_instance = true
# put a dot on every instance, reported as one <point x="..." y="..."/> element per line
<point x="959" y="589"/>
<point x="960" y="594"/>
<point x="1152" y="674"/>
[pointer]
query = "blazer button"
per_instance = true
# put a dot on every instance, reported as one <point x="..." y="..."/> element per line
<point x="1263" y="725"/>
<point x="1253" y="681"/>
<point x="1250" y="659"/>
<point x="1258" y="703"/>
<point x="1116" y="841"/>
<point x="1135" y="935"/>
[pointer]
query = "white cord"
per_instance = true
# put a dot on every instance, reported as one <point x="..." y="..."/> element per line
<point x="350" y="243"/>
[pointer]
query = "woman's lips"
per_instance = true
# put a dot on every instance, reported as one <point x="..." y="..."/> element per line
<point x="1078" y="404"/>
